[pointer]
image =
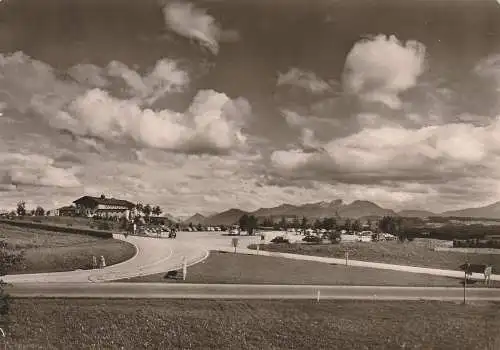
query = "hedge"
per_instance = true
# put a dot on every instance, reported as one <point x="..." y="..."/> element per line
<point x="81" y="231"/>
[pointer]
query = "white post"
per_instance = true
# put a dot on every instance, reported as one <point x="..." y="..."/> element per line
<point x="184" y="269"/>
<point x="346" y="258"/>
<point x="258" y="247"/>
<point x="318" y="295"/>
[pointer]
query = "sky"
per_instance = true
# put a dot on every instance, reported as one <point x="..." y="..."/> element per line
<point x="208" y="105"/>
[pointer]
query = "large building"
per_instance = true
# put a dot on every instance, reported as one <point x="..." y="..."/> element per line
<point x="103" y="207"/>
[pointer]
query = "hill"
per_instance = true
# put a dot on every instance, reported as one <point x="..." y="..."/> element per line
<point x="335" y="208"/>
<point x="416" y="213"/>
<point x="491" y="211"/>
<point x="195" y="219"/>
<point x="359" y="209"/>
<point x="228" y="217"/>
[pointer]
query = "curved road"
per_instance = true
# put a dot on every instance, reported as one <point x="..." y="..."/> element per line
<point x="158" y="255"/>
<point x="154" y="255"/>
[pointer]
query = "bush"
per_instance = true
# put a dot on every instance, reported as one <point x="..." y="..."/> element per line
<point x="104" y="226"/>
<point x="312" y="239"/>
<point x="280" y="239"/>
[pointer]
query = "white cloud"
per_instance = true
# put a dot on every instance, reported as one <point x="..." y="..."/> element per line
<point x="303" y="79"/>
<point x="89" y="74"/>
<point x="380" y="68"/>
<point x="35" y="170"/>
<point x="194" y="23"/>
<point x="165" y="77"/>
<point x="387" y="152"/>
<point x="211" y="124"/>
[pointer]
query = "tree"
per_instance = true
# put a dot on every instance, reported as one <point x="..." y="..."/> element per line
<point x="243" y="222"/>
<point x="356" y="226"/>
<point x="348" y="225"/>
<point x="268" y="222"/>
<point x="8" y="261"/>
<point x="304" y="223"/>
<point x="139" y="207"/>
<point x="317" y="224"/>
<point x="283" y="223"/>
<point x="296" y="223"/>
<point x="156" y="210"/>
<point x="329" y="224"/>
<point x="251" y="224"/>
<point x="392" y="225"/>
<point x="147" y="210"/>
<point x="21" y="208"/>
<point x="39" y="211"/>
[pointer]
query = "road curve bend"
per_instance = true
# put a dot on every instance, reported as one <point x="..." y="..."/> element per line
<point x="153" y="255"/>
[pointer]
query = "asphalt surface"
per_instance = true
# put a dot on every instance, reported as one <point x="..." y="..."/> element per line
<point x="238" y="291"/>
<point x="154" y="255"/>
<point x="158" y="255"/>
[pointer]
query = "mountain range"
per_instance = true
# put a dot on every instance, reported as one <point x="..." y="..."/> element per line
<point x="339" y="209"/>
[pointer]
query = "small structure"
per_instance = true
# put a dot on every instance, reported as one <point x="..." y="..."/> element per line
<point x="102" y="262"/>
<point x="67" y="211"/>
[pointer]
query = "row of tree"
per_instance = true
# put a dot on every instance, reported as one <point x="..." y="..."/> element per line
<point x="329" y="223"/>
<point x="21" y="210"/>
<point x="148" y="210"/>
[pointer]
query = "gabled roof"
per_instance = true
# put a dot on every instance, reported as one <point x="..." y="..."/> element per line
<point x="106" y="201"/>
<point x="67" y="208"/>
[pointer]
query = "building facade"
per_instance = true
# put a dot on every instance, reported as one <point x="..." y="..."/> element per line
<point x="103" y="207"/>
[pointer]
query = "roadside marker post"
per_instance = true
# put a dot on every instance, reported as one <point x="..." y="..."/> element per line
<point x="319" y="293"/>
<point x="184" y="269"/>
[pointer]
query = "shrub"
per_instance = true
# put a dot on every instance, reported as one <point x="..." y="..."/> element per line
<point x="280" y="239"/>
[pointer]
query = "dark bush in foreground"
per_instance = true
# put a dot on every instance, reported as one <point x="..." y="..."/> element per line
<point x="279" y="239"/>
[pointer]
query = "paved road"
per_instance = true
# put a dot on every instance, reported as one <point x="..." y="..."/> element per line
<point x="236" y="291"/>
<point x="216" y="241"/>
<point x="153" y="256"/>
<point x="158" y="255"/>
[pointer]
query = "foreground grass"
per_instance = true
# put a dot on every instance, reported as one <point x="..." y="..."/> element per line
<point x="47" y="251"/>
<point x="250" y="269"/>
<point x="223" y="324"/>
<point x="416" y="253"/>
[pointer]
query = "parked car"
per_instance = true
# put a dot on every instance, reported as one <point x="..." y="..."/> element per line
<point x="312" y="239"/>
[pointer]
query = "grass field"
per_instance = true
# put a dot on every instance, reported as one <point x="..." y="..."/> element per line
<point x="76" y="222"/>
<point x="213" y="324"/>
<point x="251" y="269"/>
<point x="416" y="253"/>
<point x="47" y="251"/>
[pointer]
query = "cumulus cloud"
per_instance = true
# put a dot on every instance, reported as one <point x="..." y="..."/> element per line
<point x="165" y="77"/>
<point x="303" y="79"/>
<point x="34" y="170"/>
<point x="212" y="123"/>
<point x="395" y="153"/>
<point x="380" y="68"/>
<point x="194" y="23"/>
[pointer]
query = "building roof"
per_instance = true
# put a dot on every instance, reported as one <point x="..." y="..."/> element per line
<point x="106" y="201"/>
<point x="67" y="208"/>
